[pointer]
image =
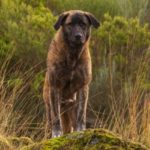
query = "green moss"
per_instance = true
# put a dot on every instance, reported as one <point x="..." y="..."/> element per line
<point x="20" y="141"/>
<point x="4" y="144"/>
<point x="13" y="143"/>
<point x="92" y="139"/>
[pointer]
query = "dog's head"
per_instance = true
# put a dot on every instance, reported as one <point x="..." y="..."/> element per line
<point x="76" y="26"/>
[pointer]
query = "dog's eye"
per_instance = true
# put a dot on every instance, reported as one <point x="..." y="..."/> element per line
<point x="83" y="25"/>
<point x="69" y="26"/>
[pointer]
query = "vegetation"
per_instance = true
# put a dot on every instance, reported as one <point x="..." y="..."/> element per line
<point x="90" y="139"/>
<point x="120" y="48"/>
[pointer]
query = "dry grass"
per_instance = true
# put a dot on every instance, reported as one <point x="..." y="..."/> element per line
<point x="16" y="116"/>
<point x="129" y="113"/>
<point x="130" y="119"/>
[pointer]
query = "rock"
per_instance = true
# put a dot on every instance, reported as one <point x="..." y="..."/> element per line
<point x="18" y="142"/>
<point x="13" y="143"/>
<point x="91" y="139"/>
<point x="4" y="144"/>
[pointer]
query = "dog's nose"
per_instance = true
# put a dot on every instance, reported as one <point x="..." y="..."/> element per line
<point x="78" y="36"/>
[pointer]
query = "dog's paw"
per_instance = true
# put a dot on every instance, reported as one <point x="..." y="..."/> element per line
<point x="56" y="133"/>
<point x="81" y="127"/>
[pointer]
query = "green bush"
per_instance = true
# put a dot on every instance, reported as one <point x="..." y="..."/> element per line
<point x="25" y="30"/>
<point x="126" y="8"/>
<point x="121" y="60"/>
<point x="123" y="38"/>
<point x="97" y="7"/>
<point x="120" y="57"/>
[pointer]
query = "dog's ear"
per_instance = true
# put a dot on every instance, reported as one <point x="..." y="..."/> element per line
<point x="92" y="19"/>
<point x="61" y="20"/>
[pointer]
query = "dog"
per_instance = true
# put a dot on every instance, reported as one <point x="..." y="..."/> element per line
<point x="68" y="74"/>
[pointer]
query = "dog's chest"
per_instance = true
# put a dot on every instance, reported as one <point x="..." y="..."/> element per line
<point x="66" y="70"/>
<point x="70" y="72"/>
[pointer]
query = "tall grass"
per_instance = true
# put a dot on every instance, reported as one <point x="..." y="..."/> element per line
<point x="126" y="8"/>
<point x="134" y="8"/>
<point x="123" y="108"/>
<point x="19" y="109"/>
<point x="129" y="111"/>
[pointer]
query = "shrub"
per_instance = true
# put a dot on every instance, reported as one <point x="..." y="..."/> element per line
<point x="121" y="59"/>
<point x="120" y="56"/>
<point x="26" y="31"/>
<point x="126" y="8"/>
<point x="97" y="7"/>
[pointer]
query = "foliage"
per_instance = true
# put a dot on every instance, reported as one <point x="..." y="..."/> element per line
<point x="126" y="8"/>
<point x="98" y="7"/>
<point x="89" y="139"/>
<point x="123" y="39"/>
<point x="121" y="56"/>
<point x="119" y="93"/>
<point x="26" y="31"/>
<point x="134" y="8"/>
<point x="25" y="35"/>
<point x="11" y="143"/>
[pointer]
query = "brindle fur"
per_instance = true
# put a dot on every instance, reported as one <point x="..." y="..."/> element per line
<point x="67" y="79"/>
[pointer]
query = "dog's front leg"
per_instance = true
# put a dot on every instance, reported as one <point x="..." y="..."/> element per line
<point x="55" y="113"/>
<point x="82" y="98"/>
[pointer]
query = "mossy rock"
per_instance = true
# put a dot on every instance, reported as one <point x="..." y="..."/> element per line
<point x="14" y="143"/>
<point x="17" y="142"/>
<point x="4" y="144"/>
<point x="92" y="139"/>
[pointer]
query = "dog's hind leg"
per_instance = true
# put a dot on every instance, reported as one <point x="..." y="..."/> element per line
<point x="48" y="121"/>
<point x="46" y="97"/>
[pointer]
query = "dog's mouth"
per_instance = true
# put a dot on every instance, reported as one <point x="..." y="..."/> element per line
<point x="77" y="42"/>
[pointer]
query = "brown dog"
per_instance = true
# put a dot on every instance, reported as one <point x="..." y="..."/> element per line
<point x="68" y="73"/>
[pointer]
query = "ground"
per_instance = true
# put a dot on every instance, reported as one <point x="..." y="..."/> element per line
<point x="91" y="139"/>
